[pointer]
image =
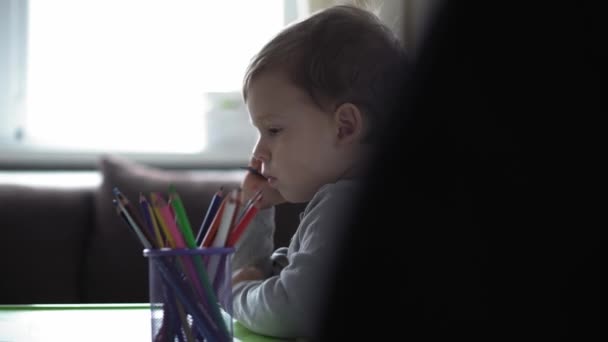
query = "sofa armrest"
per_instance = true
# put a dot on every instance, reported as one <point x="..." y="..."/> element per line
<point x="44" y="230"/>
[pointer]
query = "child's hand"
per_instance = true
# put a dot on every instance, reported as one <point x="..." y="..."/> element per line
<point x="245" y="274"/>
<point x="255" y="182"/>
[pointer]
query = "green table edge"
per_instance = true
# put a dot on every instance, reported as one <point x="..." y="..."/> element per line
<point x="30" y="307"/>
<point x="238" y="328"/>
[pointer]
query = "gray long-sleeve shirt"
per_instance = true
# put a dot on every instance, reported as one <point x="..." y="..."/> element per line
<point x="286" y="303"/>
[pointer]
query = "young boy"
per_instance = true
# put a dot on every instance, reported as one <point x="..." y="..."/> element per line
<point x="318" y="93"/>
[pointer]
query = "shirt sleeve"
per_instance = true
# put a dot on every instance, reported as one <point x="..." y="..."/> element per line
<point x="282" y="305"/>
<point x="286" y="305"/>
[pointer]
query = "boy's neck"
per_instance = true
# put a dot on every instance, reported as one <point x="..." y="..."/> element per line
<point x="352" y="173"/>
<point x="356" y="170"/>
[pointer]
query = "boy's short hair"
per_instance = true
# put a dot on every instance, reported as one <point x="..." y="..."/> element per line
<point x="338" y="55"/>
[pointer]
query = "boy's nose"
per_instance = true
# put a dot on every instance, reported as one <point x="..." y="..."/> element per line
<point x="260" y="153"/>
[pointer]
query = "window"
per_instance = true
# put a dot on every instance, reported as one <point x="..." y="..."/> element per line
<point x="157" y="80"/>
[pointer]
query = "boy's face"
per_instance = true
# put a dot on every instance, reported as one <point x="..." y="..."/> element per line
<point x="298" y="143"/>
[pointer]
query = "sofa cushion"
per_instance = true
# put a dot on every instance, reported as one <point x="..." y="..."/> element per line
<point x="116" y="268"/>
<point x="44" y="230"/>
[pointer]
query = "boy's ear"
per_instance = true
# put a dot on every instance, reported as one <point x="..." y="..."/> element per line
<point x="349" y="123"/>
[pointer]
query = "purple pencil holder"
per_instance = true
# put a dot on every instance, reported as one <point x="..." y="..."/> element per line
<point x="190" y="294"/>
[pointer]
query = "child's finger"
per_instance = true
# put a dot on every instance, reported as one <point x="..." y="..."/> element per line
<point x="270" y="197"/>
<point x="255" y="172"/>
<point x="255" y="163"/>
<point x="251" y="184"/>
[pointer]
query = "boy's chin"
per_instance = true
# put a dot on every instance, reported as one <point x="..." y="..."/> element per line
<point x="295" y="197"/>
<point x="288" y="198"/>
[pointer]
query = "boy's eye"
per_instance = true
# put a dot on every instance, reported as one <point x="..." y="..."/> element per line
<point x="274" y="131"/>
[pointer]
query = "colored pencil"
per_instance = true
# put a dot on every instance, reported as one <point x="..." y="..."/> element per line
<point x="240" y="227"/>
<point x="181" y="217"/>
<point x="211" y="210"/>
<point x="210" y="235"/>
<point x="150" y="219"/>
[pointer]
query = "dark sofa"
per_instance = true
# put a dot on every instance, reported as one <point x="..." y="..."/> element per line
<point x="67" y="245"/>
